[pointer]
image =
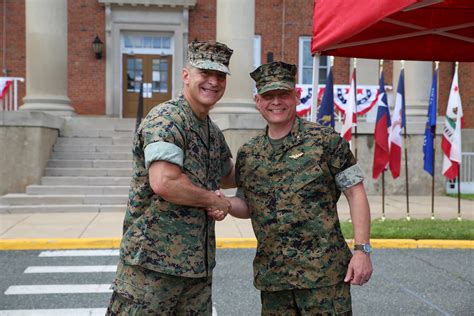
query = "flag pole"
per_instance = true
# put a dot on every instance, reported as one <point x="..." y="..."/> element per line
<point x="459" y="167"/>
<point x="383" y="172"/>
<point x="459" y="193"/>
<point x="355" y="108"/>
<point x="434" y="149"/>
<point x="405" y="148"/>
<point x="383" y="196"/>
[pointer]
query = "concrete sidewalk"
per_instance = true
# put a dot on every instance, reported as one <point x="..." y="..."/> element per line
<point x="105" y="228"/>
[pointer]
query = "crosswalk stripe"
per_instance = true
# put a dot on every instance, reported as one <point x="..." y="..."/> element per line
<point x="58" y="289"/>
<point x="79" y="253"/>
<point x="70" y="269"/>
<point x="55" y="312"/>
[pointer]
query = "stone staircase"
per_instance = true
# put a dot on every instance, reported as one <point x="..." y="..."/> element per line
<point x="88" y="170"/>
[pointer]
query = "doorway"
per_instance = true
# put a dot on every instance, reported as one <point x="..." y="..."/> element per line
<point x="154" y="72"/>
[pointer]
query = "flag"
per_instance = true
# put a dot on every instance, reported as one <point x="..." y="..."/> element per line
<point x="381" y="150"/>
<point x="428" y="144"/>
<point x="398" y="123"/>
<point x="453" y="122"/>
<point x="326" y="110"/>
<point x="349" y="114"/>
<point x="5" y="84"/>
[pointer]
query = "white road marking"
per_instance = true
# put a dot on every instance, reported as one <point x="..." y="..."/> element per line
<point x="58" y="289"/>
<point x="70" y="269"/>
<point x="55" y="312"/>
<point x="80" y="253"/>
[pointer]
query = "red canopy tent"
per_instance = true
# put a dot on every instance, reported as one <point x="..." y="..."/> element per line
<point x="436" y="30"/>
<point x="394" y="29"/>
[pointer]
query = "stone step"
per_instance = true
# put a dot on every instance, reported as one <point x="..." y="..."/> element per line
<point x="91" y="155"/>
<point x="89" y="163"/>
<point x="26" y="199"/>
<point x="93" y="148"/>
<point x="65" y="208"/>
<point x="94" y="141"/>
<point x="88" y="172"/>
<point x="103" y="122"/>
<point x="94" y="133"/>
<point x="76" y="189"/>
<point x="86" y="181"/>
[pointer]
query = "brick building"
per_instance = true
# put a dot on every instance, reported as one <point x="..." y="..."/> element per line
<point x="145" y="40"/>
<point x="282" y="27"/>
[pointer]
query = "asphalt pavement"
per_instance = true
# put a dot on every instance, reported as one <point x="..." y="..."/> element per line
<point x="405" y="282"/>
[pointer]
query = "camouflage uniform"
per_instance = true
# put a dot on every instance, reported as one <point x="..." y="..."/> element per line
<point x="166" y="246"/>
<point x="159" y="235"/>
<point x="292" y="193"/>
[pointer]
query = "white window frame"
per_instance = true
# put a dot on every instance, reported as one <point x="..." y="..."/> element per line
<point x="157" y="51"/>
<point x="302" y="41"/>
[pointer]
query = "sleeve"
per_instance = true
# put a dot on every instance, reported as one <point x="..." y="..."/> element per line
<point x="163" y="138"/>
<point x="343" y="164"/>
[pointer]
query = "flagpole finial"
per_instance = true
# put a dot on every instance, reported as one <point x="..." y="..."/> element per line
<point x="457" y="64"/>
<point x="381" y="66"/>
<point x="331" y="61"/>
<point x="403" y="63"/>
<point x="436" y="64"/>
<point x="354" y="60"/>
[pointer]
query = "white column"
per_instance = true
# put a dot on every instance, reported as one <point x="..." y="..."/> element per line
<point x="235" y="27"/>
<point x="418" y="75"/>
<point x="46" y="57"/>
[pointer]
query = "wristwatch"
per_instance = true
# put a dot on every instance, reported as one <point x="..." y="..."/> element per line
<point x="365" y="248"/>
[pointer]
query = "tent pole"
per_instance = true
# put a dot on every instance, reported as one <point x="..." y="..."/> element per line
<point x="355" y="109"/>
<point x="314" y="105"/>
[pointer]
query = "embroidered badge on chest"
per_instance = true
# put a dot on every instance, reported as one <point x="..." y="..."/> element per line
<point x="296" y="156"/>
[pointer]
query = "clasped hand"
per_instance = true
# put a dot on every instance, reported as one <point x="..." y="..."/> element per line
<point x="220" y="206"/>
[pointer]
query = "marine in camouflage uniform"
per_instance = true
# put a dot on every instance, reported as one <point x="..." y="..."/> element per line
<point x="167" y="252"/>
<point x="291" y="186"/>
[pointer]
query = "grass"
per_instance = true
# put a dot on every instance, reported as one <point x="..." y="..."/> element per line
<point x="463" y="196"/>
<point x="417" y="229"/>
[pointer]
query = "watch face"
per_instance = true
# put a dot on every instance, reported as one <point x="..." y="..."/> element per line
<point x="367" y="248"/>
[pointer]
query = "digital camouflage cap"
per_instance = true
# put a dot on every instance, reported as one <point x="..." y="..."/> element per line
<point x="210" y="55"/>
<point x="274" y="76"/>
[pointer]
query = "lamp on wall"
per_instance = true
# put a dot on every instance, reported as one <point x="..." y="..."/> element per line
<point x="97" y="46"/>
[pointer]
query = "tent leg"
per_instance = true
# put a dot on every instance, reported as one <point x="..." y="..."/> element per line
<point x="314" y="105"/>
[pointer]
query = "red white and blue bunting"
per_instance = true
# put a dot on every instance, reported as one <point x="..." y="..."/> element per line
<point x="366" y="98"/>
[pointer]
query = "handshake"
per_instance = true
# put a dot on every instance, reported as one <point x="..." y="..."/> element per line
<point x="220" y="206"/>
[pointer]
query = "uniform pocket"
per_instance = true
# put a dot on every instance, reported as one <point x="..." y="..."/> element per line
<point x="307" y="178"/>
<point x="129" y="292"/>
<point x="127" y="289"/>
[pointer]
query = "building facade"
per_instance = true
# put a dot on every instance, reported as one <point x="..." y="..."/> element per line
<point x="49" y="43"/>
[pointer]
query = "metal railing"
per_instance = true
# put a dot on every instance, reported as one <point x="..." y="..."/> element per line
<point x="467" y="175"/>
<point x="9" y="93"/>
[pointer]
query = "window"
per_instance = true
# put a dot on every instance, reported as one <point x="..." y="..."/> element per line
<point x="134" y="43"/>
<point x="305" y="65"/>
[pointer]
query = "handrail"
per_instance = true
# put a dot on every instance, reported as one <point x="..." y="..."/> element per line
<point x="9" y="93"/>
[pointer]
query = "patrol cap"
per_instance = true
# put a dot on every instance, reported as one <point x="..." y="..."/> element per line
<point x="210" y="55"/>
<point x="276" y="75"/>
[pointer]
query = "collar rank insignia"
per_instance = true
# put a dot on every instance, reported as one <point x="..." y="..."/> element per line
<point x="296" y="156"/>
